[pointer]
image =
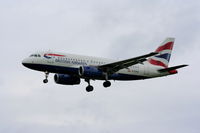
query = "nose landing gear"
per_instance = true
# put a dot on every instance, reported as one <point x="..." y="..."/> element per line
<point x="46" y="77"/>
<point x="89" y="88"/>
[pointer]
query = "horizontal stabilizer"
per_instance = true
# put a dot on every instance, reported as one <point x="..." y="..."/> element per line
<point x="171" y="68"/>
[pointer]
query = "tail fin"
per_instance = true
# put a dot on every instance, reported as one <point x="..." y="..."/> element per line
<point x="164" y="50"/>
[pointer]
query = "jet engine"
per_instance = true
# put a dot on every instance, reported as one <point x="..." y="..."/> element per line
<point x="66" y="79"/>
<point x="91" y="72"/>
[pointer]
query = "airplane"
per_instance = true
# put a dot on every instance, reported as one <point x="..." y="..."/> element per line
<point x="69" y="69"/>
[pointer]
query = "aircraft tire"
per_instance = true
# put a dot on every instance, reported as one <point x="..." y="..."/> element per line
<point x="89" y="88"/>
<point x="107" y="84"/>
<point x="45" y="81"/>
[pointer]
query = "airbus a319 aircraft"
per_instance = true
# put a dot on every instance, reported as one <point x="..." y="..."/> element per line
<point x="70" y="68"/>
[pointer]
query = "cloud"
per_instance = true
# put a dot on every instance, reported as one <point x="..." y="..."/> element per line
<point x="113" y="29"/>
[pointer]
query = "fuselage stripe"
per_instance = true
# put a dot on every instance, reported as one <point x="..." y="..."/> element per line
<point x="157" y="63"/>
<point x="54" y="55"/>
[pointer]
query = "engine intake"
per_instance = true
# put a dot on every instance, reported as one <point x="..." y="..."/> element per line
<point x="66" y="79"/>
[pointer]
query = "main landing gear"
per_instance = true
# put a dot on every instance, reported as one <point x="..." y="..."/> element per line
<point x="46" y="77"/>
<point x="106" y="84"/>
<point x="90" y="88"/>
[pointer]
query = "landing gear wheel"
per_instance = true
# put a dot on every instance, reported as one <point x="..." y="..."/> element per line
<point x="89" y="88"/>
<point x="46" y="77"/>
<point x="45" y="81"/>
<point x="107" y="84"/>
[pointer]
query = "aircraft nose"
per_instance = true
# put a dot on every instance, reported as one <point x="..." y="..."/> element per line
<point x="25" y="62"/>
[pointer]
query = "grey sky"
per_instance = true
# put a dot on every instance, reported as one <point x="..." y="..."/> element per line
<point x="107" y="28"/>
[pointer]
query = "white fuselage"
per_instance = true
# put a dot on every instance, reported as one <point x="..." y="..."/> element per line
<point x="42" y="60"/>
<point x="70" y="68"/>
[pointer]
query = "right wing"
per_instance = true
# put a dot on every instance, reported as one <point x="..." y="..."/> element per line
<point x="116" y="66"/>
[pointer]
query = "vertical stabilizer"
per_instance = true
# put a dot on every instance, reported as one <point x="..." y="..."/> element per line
<point x="164" y="50"/>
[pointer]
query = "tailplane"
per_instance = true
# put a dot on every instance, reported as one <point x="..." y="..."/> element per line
<point x="172" y="70"/>
<point x="164" y="53"/>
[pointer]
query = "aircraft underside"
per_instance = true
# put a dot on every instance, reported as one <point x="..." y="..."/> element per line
<point x="71" y="76"/>
<point x="74" y="71"/>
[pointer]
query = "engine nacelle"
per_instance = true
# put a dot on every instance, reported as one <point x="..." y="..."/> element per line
<point x="91" y="72"/>
<point x="66" y="79"/>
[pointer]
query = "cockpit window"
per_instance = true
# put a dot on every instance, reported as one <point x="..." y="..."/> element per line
<point x="35" y="55"/>
<point x="32" y="55"/>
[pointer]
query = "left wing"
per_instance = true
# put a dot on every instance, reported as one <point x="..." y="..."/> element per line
<point x="116" y="66"/>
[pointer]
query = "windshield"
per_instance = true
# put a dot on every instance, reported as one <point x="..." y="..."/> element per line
<point x="35" y="55"/>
